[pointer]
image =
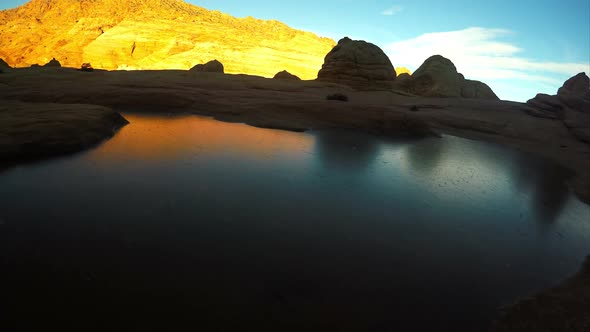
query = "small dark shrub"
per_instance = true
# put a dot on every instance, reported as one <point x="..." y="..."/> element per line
<point x="337" y="96"/>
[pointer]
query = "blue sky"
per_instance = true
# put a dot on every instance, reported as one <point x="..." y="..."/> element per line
<point x="519" y="47"/>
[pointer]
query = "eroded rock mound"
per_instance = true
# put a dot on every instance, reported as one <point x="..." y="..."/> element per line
<point x="576" y="85"/>
<point x="212" y="66"/>
<point x="477" y="90"/>
<point x="358" y="64"/>
<point x="285" y="75"/>
<point x="571" y="105"/>
<point x="53" y="63"/>
<point x="438" y="77"/>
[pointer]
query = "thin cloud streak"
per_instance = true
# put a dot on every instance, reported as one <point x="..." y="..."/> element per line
<point x="478" y="54"/>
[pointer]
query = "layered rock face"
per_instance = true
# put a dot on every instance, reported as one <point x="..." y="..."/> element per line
<point x="358" y="64"/>
<point x="154" y="34"/>
<point x="438" y="77"/>
<point x="571" y="105"/>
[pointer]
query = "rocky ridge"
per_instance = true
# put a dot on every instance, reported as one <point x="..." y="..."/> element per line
<point x="154" y="34"/>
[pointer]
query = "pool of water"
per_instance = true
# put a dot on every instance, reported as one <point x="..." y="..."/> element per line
<point x="187" y="223"/>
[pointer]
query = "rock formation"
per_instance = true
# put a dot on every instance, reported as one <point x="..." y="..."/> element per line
<point x="3" y="65"/>
<point x="285" y="75"/>
<point x="358" y="64"/>
<point x="571" y="105"/>
<point x="53" y="63"/>
<point x="154" y="34"/>
<point x="212" y="66"/>
<point x="438" y="77"/>
<point x="477" y="90"/>
<point x="402" y="70"/>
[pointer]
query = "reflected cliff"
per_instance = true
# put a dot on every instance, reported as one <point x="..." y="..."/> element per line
<point x="544" y="184"/>
<point x="345" y="150"/>
<point x="154" y="137"/>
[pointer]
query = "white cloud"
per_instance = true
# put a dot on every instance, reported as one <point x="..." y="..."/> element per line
<point x="392" y="10"/>
<point x="479" y="54"/>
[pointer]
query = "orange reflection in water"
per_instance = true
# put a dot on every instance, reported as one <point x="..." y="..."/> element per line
<point x="162" y="137"/>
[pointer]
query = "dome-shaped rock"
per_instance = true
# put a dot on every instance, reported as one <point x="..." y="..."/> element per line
<point x="53" y="63"/>
<point x="285" y="75"/>
<point x="213" y="66"/>
<point x="358" y="64"/>
<point x="402" y="70"/>
<point x="438" y="77"/>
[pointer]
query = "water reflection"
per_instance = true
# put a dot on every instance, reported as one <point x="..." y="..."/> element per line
<point x="153" y="137"/>
<point x="425" y="158"/>
<point x="199" y="212"/>
<point x="345" y="150"/>
<point x="543" y="183"/>
<point x="453" y="167"/>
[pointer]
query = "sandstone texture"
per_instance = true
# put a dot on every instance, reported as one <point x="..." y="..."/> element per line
<point x="571" y="105"/>
<point x="154" y="34"/>
<point x="212" y="66"/>
<point x="358" y="64"/>
<point x="438" y="77"/>
<point x="285" y="75"/>
<point x="402" y="70"/>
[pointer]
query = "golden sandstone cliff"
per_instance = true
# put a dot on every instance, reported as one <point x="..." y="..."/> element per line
<point x="154" y="34"/>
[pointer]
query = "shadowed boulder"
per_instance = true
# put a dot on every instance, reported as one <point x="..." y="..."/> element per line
<point x="358" y="64"/>
<point x="285" y="75"/>
<point x="53" y="63"/>
<point x="577" y="85"/>
<point x="571" y="105"/>
<point x="438" y="77"/>
<point x="477" y="90"/>
<point x="213" y="66"/>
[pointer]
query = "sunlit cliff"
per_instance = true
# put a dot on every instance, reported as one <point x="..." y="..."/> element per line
<point x="154" y="34"/>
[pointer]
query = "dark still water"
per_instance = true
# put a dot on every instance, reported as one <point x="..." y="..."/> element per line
<point x="189" y="224"/>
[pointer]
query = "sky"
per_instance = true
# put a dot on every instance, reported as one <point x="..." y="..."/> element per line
<point x="517" y="47"/>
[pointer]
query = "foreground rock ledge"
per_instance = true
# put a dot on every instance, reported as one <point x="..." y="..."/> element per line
<point x="33" y="131"/>
<point x="563" y="308"/>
